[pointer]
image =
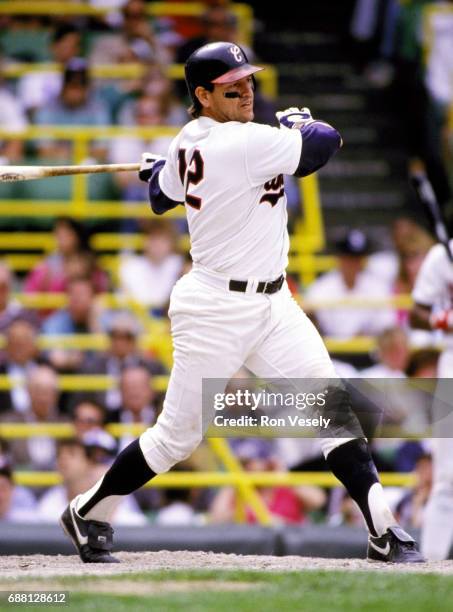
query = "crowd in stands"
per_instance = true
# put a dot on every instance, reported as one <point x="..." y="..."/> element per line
<point x="408" y="46"/>
<point x="74" y="96"/>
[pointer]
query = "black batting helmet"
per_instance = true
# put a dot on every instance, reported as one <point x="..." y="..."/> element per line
<point x="220" y="62"/>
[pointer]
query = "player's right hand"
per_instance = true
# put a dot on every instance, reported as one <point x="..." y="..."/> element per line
<point x="442" y="319"/>
<point x="146" y="168"/>
<point x="294" y="117"/>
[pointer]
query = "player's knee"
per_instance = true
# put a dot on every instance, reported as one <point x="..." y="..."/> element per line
<point x="163" y="452"/>
<point x="337" y="410"/>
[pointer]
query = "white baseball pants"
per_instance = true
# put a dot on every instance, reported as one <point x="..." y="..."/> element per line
<point x="216" y="331"/>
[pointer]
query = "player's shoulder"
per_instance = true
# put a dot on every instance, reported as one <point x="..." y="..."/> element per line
<point x="438" y="254"/>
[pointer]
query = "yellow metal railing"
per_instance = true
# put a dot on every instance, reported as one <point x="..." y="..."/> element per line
<point x="243" y="12"/>
<point x="45" y="241"/>
<point x="161" y="344"/>
<point x="309" y="232"/>
<point x="220" y="479"/>
<point x="79" y="206"/>
<point x="219" y="446"/>
<point x="235" y="475"/>
<point x="86" y="382"/>
<point x="267" y="78"/>
<point x="157" y="336"/>
<point x="59" y="300"/>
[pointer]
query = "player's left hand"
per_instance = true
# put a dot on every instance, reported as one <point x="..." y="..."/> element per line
<point x="294" y="117"/>
<point x="146" y="168"/>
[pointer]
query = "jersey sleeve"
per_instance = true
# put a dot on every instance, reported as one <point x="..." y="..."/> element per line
<point x="270" y="151"/>
<point x="169" y="180"/>
<point x="431" y="282"/>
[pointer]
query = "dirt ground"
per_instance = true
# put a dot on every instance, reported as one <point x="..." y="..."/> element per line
<point x="13" y="568"/>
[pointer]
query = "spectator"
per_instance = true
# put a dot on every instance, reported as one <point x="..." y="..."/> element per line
<point x="350" y="280"/>
<point x="390" y="399"/>
<point x="82" y="264"/>
<point x="343" y="510"/>
<point x="9" y="308"/>
<point x="37" y="452"/>
<point x="344" y="369"/>
<point x="149" y="278"/>
<point x="51" y="275"/>
<point x="408" y="405"/>
<point x="123" y="351"/>
<point x="136" y="399"/>
<point x="76" y="105"/>
<point x="410" y="509"/>
<point x="177" y="508"/>
<point x="101" y="447"/>
<point x="154" y="104"/>
<point x="38" y="89"/>
<point x="20" y="357"/>
<point x="88" y="415"/>
<point x="423" y="363"/>
<point x="156" y="83"/>
<point x="286" y="505"/>
<point x="79" y="472"/>
<point x="218" y="24"/>
<point x="400" y="267"/>
<point x="408" y="238"/>
<point x="114" y="48"/>
<point x="392" y="355"/>
<point x="146" y="110"/>
<point x="12" y="506"/>
<point x="372" y="31"/>
<point x="13" y="120"/>
<point x="420" y="119"/>
<point x="151" y="79"/>
<point x="81" y="316"/>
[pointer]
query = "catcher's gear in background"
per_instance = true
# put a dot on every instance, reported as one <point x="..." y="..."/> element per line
<point x="219" y="62"/>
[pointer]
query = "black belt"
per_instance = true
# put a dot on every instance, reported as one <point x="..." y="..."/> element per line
<point x="263" y="286"/>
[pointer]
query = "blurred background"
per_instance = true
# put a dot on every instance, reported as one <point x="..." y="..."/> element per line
<point x="86" y="270"/>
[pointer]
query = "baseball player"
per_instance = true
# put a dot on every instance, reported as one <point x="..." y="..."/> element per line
<point x="234" y="307"/>
<point x="433" y="310"/>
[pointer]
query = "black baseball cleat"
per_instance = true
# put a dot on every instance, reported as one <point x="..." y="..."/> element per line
<point x="92" y="539"/>
<point x="395" y="546"/>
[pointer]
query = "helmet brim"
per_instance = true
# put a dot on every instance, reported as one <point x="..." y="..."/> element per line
<point x="236" y="74"/>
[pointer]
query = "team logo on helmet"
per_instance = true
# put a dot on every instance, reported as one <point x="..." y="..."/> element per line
<point x="236" y="52"/>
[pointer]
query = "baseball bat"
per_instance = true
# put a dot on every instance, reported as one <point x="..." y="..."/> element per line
<point x="9" y="174"/>
<point x="427" y="198"/>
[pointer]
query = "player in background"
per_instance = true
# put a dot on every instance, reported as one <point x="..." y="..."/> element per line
<point x="433" y="310"/>
<point x="234" y="307"/>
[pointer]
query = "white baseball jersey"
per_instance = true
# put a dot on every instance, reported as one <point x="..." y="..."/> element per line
<point x="238" y="227"/>
<point x="434" y="283"/>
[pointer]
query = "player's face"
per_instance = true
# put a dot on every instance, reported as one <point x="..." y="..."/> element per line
<point x="239" y="107"/>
